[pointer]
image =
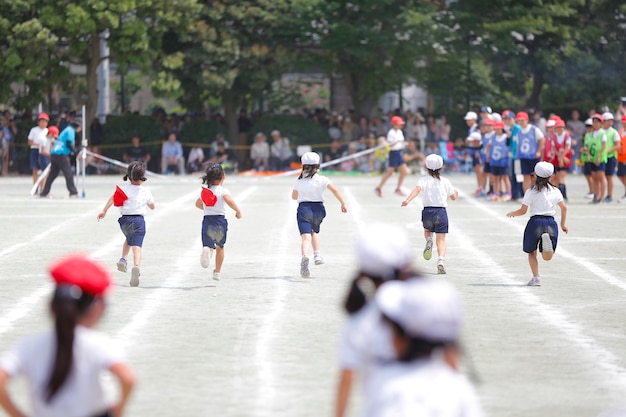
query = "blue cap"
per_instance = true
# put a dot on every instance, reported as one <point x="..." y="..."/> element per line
<point x="485" y="109"/>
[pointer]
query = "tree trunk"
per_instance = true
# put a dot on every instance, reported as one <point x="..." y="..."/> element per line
<point x="363" y="106"/>
<point x="92" y="79"/>
<point x="229" y="101"/>
<point x="538" y="83"/>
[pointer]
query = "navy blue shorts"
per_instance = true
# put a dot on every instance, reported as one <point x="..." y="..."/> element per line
<point x="33" y="159"/>
<point x="597" y="168"/>
<point x="487" y="168"/>
<point x="611" y="166"/>
<point x="476" y="159"/>
<point x="134" y="228"/>
<point x="528" y="165"/>
<point x="310" y="216"/>
<point x="621" y="169"/>
<point x="587" y="168"/>
<point x="559" y="169"/>
<point x="214" y="231"/>
<point x="435" y="219"/>
<point x="43" y="161"/>
<point x="395" y="159"/>
<point x="499" y="171"/>
<point x="538" y="225"/>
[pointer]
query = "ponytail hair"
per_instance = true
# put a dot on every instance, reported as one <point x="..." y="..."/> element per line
<point x="213" y="174"/>
<point x="309" y="170"/>
<point x="541" y="183"/>
<point x="136" y="171"/>
<point x="69" y="304"/>
<point x="434" y="173"/>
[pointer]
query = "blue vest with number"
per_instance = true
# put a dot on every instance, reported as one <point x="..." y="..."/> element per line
<point x="527" y="144"/>
<point x="499" y="152"/>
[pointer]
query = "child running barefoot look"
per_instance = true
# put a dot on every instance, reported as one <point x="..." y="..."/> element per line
<point x="132" y="199"/>
<point x="434" y="215"/>
<point x="308" y="190"/>
<point x="213" y="200"/>
<point x="542" y="198"/>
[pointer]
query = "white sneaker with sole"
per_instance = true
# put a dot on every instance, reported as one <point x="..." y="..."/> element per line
<point x="318" y="260"/>
<point x="546" y="243"/>
<point x="121" y="265"/>
<point x="441" y="267"/>
<point x="534" y="282"/>
<point x="205" y="258"/>
<point x="304" y="267"/>
<point x="428" y="250"/>
<point x="134" y="276"/>
<point x="216" y="275"/>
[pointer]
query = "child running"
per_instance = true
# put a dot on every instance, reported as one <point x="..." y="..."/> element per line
<point x="213" y="200"/>
<point x="132" y="199"/>
<point x="542" y="198"/>
<point x="434" y="215"/>
<point x="308" y="191"/>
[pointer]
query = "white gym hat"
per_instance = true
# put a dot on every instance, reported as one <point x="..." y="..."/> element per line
<point x="589" y="122"/>
<point x="424" y="308"/>
<point x="434" y="161"/>
<point x="471" y="116"/>
<point x="608" y="116"/>
<point x="310" y="158"/>
<point x="551" y="123"/>
<point x="496" y="116"/>
<point x="544" y="169"/>
<point x="382" y="249"/>
<point x="475" y="136"/>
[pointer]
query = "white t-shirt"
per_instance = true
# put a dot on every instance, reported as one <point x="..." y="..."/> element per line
<point x="435" y="191"/>
<point x="311" y="189"/>
<point x="81" y="395"/>
<point x="395" y="138"/>
<point x="139" y="196"/>
<point x="542" y="203"/>
<point x="424" y="388"/>
<point x="538" y="133"/>
<point x="220" y="206"/>
<point x="36" y="135"/>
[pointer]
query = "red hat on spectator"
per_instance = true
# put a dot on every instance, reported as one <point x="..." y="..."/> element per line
<point x="598" y="116"/>
<point x="397" y="120"/>
<point x="86" y="274"/>
<point x="43" y="116"/>
<point x="489" y="121"/>
<point x="522" y="115"/>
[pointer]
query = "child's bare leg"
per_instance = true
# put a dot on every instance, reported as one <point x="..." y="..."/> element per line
<point x="428" y="234"/>
<point x="385" y="177"/>
<point x="137" y="255"/>
<point x="125" y="250"/>
<point x="219" y="258"/>
<point x="534" y="264"/>
<point x="441" y="245"/>
<point x="403" y="171"/>
<point x="547" y="255"/>
<point x="315" y="242"/>
<point x="306" y="243"/>
<point x="507" y="184"/>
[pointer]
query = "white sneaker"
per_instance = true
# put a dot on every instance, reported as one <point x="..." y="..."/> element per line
<point x="205" y="258"/>
<point x="534" y="282"/>
<point x="589" y="196"/>
<point x="621" y="199"/>
<point x="216" y="275"/>
<point x="121" y="265"/>
<point x="428" y="250"/>
<point x="318" y="260"/>
<point x="304" y="267"/>
<point x="546" y="243"/>
<point x="441" y="267"/>
<point x="134" y="276"/>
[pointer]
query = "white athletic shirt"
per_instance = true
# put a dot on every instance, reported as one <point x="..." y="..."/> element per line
<point x="220" y="206"/>
<point x="139" y="196"/>
<point x="82" y="394"/>
<point x="311" y="189"/>
<point x="435" y="192"/>
<point x="538" y="133"/>
<point x="36" y="135"/>
<point x="542" y="203"/>
<point x="395" y="138"/>
<point x="424" y="388"/>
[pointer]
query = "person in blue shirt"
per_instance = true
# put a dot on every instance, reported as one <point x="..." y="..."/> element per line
<point x="60" y="159"/>
<point x="172" y="155"/>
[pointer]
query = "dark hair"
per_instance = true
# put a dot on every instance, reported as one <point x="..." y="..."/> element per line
<point x="309" y="170"/>
<point x="69" y="303"/>
<point x="418" y="347"/>
<point x="213" y="174"/>
<point x="357" y="296"/>
<point x="434" y="173"/>
<point x="136" y="171"/>
<point x="541" y="183"/>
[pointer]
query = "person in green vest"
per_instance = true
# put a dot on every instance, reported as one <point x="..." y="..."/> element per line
<point x="584" y="156"/>
<point x="598" y="158"/>
<point x="612" y="146"/>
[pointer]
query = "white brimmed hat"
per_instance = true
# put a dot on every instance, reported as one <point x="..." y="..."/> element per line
<point x="382" y="249"/>
<point x="471" y="116"/>
<point x="310" y="158"/>
<point x="608" y="116"/>
<point x="434" y="161"/>
<point x="424" y="308"/>
<point x="544" y="169"/>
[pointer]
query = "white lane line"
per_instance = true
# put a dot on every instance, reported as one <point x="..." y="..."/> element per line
<point x="24" y="306"/>
<point x="548" y="315"/>
<point x="585" y="263"/>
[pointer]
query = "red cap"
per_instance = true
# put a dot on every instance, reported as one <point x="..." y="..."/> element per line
<point x="397" y="120"/>
<point x="53" y="131"/>
<point x="498" y="125"/>
<point x="559" y="123"/>
<point x="119" y="196"/>
<point x="489" y="121"/>
<point x="78" y="270"/>
<point x="597" y="116"/>
<point x="624" y="118"/>
<point x="43" y="116"/>
<point x="522" y="115"/>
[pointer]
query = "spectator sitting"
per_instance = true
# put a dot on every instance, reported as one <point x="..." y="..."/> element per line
<point x="225" y="157"/>
<point x="260" y="153"/>
<point x="280" y="152"/>
<point x="219" y="139"/>
<point x="195" y="160"/>
<point x="136" y="152"/>
<point x="414" y="159"/>
<point x="93" y="165"/>
<point x="334" y="152"/>
<point x="172" y="158"/>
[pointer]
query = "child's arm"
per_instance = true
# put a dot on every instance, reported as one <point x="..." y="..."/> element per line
<point x="199" y="204"/>
<point x="126" y="379"/>
<point x="563" y="215"/>
<point x="338" y="196"/>
<point x="151" y="205"/>
<point x="454" y="195"/>
<point x="294" y="194"/>
<point x="231" y="203"/>
<point x="411" y="196"/>
<point x="106" y="207"/>
<point x="519" y="212"/>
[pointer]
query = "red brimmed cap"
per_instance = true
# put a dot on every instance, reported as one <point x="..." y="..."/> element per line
<point x="522" y="115"/>
<point x="597" y="116"/>
<point x="397" y="120"/>
<point x="559" y="123"/>
<point x="81" y="271"/>
<point x="43" y="116"/>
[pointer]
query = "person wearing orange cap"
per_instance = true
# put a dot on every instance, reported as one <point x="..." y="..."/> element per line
<point x="395" y="139"/>
<point x="35" y="137"/>
<point x="132" y="199"/>
<point x="44" y="149"/>
<point x="621" y="158"/>
<point x="530" y="143"/>
<point x="64" y="365"/>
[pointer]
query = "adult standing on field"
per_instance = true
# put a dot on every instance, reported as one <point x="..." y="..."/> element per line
<point x="60" y="158"/>
<point x="395" y="140"/>
<point x="530" y="143"/>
